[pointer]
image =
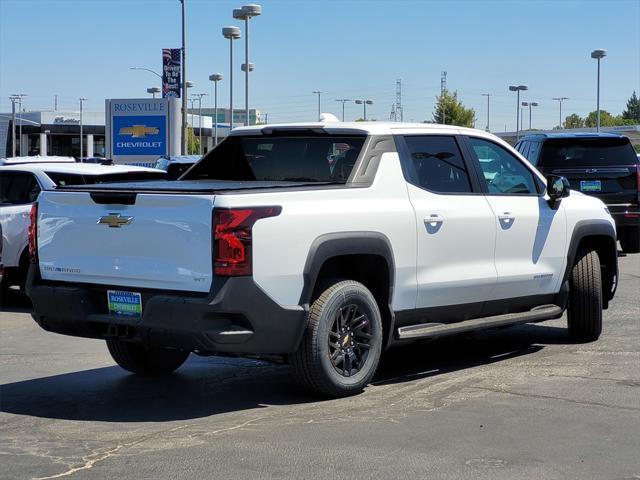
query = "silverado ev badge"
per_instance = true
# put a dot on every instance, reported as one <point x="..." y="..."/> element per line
<point x="138" y="131"/>
<point x="114" y="220"/>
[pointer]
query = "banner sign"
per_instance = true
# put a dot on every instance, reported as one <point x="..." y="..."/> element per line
<point x="171" y="72"/>
<point x="139" y="135"/>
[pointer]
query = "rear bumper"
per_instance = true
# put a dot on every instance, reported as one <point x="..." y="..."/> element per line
<point x="236" y="317"/>
<point x="625" y="216"/>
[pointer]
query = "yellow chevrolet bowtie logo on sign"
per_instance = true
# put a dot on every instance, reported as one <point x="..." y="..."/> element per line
<point x="138" y="131"/>
<point x="114" y="220"/>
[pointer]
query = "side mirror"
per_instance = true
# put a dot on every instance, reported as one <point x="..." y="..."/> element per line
<point x="557" y="188"/>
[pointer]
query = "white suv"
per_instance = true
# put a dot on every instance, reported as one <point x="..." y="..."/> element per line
<point x="20" y="185"/>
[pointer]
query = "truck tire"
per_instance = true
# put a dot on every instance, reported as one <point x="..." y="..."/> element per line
<point x="342" y="343"/>
<point x="630" y="239"/>
<point x="145" y="360"/>
<point x="585" y="297"/>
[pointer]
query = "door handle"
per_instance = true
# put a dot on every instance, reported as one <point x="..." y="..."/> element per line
<point x="433" y="219"/>
<point x="506" y="217"/>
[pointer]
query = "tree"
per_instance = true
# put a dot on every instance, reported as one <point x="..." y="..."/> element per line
<point x="573" y="121"/>
<point x="449" y="108"/>
<point x="606" y="120"/>
<point x="193" y="142"/>
<point x="633" y="109"/>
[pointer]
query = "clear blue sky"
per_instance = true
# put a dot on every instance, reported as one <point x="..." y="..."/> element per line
<point x="344" y="48"/>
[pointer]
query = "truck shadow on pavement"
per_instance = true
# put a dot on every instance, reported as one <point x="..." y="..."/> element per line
<point x="207" y="386"/>
<point x="14" y="301"/>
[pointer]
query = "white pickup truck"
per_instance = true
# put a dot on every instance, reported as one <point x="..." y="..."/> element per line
<point x="325" y="243"/>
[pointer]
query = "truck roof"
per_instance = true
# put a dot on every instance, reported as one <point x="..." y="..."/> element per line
<point x="540" y="136"/>
<point x="366" y="128"/>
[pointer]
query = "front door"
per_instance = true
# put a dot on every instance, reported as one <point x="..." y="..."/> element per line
<point x="531" y="236"/>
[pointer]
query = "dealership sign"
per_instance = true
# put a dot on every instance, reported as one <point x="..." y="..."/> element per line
<point x="171" y="72"/>
<point x="142" y="129"/>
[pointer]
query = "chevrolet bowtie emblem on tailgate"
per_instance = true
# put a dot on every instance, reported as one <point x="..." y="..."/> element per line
<point x="138" y="131"/>
<point x="114" y="220"/>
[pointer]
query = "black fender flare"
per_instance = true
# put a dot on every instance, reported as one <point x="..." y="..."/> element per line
<point x="336" y="244"/>
<point x="591" y="228"/>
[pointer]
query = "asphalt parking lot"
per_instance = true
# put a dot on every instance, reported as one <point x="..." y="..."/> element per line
<point x="508" y="404"/>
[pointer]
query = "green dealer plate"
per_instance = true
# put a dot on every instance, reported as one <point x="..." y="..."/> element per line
<point x="590" y="185"/>
<point x="124" y="303"/>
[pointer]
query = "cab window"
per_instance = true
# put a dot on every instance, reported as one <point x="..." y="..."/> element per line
<point x="18" y="188"/>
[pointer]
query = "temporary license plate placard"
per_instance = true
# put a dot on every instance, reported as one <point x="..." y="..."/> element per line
<point x="590" y="185"/>
<point x="124" y="303"/>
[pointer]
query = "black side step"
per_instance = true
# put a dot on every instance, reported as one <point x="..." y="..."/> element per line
<point x="427" y="330"/>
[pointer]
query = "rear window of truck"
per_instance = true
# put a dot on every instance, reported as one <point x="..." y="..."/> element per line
<point x="587" y="152"/>
<point x="321" y="159"/>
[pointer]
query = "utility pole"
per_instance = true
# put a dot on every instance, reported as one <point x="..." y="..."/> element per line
<point x="487" y="95"/>
<point x="396" y="110"/>
<point x="318" y="92"/>
<point x="13" y="99"/>
<point x="443" y="89"/>
<point x="55" y="103"/>
<point x="81" y="139"/>
<point x="560" y="100"/>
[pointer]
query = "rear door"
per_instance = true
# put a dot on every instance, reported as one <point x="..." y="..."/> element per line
<point x="605" y="167"/>
<point x="530" y="236"/>
<point x="455" y="224"/>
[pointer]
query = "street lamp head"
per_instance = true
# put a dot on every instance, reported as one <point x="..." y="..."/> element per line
<point x="369" y="102"/>
<point x="525" y="104"/>
<point x="232" y="33"/>
<point x="359" y="102"/>
<point x="216" y="77"/>
<point x="153" y="90"/>
<point x="243" y="67"/>
<point x="599" y="53"/>
<point x="513" y="88"/>
<point x="239" y="14"/>
<point x="252" y="10"/>
<point x="523" y="87"/>
<point x="534" y="104"/>
<point x="189" y="84"/>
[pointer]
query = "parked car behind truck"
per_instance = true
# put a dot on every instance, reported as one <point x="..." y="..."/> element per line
<point x="603" y="165"/>
<point x="267" y="247"/>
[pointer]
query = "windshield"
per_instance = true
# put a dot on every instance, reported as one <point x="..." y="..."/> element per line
<point x="66" y="179"/>
<point x="322" y="159"/>
<point x="587" y="152"/>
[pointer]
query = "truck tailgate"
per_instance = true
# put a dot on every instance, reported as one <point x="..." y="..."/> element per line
<point x="161" y="241"/>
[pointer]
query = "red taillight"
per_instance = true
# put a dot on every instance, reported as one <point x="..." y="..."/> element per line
<point x="232" y="238"/>
<point x="32" y="234"/>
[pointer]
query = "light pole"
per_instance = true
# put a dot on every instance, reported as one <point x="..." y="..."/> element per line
<point x="81" y="139"/>
<point x="153" y="91"/>
<point x="215" y="78"/>
<point x="529" y="104"/>
<point x="560" y="100"/>
<point x="343" y="101"/>
<point x="147" y="70"/>
<point x="364" y="104"/>
<point x="184" y="79"/>
<point x="318" y="92"/>
<point x="231" y="33"/>
<point x="487" y="95"/>
<point x="199" y="96"/>
<point x="598" y="55"/>
<point x="245" y="13"/>
<point x="518" y="88"/>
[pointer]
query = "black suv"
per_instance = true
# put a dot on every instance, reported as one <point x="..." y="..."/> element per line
<point x="604" y="165"/>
